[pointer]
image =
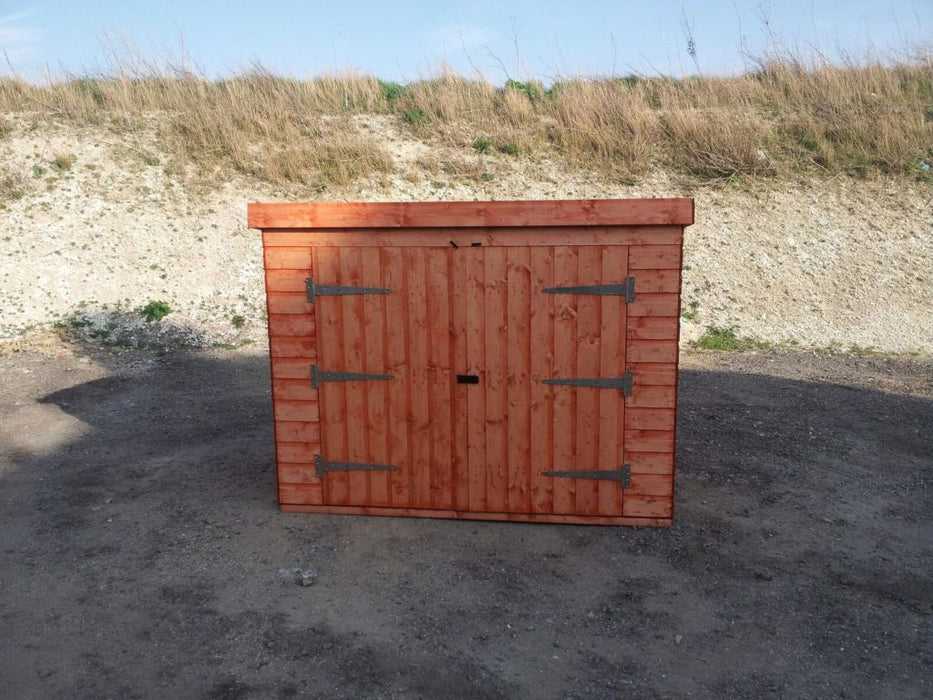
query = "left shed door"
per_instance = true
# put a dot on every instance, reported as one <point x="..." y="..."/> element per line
<point x="385" y="349"/>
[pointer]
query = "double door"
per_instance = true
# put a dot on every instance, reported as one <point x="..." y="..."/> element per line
<point x="477" y="379"/>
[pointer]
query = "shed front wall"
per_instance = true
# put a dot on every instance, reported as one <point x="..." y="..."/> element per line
<point x="458" y="310"/>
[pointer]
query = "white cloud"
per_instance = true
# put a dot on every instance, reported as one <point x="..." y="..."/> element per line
<point x="19" y="41"/>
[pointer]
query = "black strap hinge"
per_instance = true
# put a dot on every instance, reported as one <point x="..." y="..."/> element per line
<point x="318" y="376"/>
<point x="623" y="383"/>
<point x="315" y="290"/>
<point x="623" y="475"/>
<point x="321" y="466"/>
<point x="626" y="290"/>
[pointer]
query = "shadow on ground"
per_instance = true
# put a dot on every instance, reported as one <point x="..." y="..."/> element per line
<point x="142" y="559"/>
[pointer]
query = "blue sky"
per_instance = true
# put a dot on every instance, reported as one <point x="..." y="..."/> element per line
<point x="405" y="40"/>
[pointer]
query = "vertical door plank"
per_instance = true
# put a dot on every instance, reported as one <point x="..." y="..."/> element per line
<point x="439" y="379"/>
<point x="331" y="357"/>
<point x="623" y="342"/>
<point x="541" y="417"/>
<point x="495" y="267"/>
<point x="419" y="434"/>
<point x="476" y="356"/>
<point x="354" y="392"/>
<point x="565" y="365"/>
<point x="374" y="337"/>
<point x="457" y="292"/>
<point x="518" y="379"/>
<point x="589" y="271"/>
<point x="395" y="278"/>
<point x="611" y="364"/>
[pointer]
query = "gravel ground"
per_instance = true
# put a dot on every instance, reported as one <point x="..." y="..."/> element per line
<point x="832" y="264"/>
<point x="142" y="553"/>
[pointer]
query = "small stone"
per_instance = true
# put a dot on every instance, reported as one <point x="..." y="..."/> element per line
<point x="299" y="577"/>
<point x="678" y="639"/>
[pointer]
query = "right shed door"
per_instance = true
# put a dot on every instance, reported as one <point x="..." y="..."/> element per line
<point x="535" y="445"/>
<point x="508" y="375"/>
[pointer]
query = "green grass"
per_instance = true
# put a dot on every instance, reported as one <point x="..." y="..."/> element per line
<point x="391" y="91"/>
<point x="690" y="313"/>
<point x="718" y="338"/>
<point x="415" y="116"/>
<point x="155" y="311"/>
<point x="482" y="145"/>
<point x="533" y="90"/>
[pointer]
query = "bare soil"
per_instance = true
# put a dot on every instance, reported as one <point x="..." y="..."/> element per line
<point x="142" y="553"/>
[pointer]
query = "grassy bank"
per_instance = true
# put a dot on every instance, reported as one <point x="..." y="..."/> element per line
<point x="790" y="115"/>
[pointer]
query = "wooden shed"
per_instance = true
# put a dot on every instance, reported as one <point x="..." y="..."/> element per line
<point x="488" y="360"/>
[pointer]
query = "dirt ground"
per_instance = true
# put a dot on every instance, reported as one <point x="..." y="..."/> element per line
<point x="142" y="553"/>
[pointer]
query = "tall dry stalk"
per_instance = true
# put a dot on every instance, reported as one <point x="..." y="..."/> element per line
<point x="788" y="115"/>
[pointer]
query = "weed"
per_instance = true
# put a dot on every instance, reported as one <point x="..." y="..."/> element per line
<point x="482" y="145"/>
<point x="533" y="90"/>
<point x="150" y="159"/>
<point x="415" y="116"/>
<point x="91" y="88"/>
<point x="487" y="177"/>
<point x="6" y="128"/>
<point x="12" y="187"/>
<point x="104" y="332"/>
<point x="691" y="313"/>
<point x="237" y="321"/>
<point x="233" y="346"/>
<point x="154" y="311"/>
<point x="464" y="168"/>
<point x="922" y="167"/>
<point x="63" y="162"/>
<point x="37" y="171"/>
<point x="717" y="338"/>
<point x="862" y="350"/>
<point x="391" y="91"/>
<point x="429" y="163"/>
<point x="510" y="149"/>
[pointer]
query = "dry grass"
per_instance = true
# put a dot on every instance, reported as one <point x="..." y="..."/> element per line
<point x="789" y="116"/>
<point x="272" y="128"/>
<point x="63" y="162"/>
<point x="13" y="186"/>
